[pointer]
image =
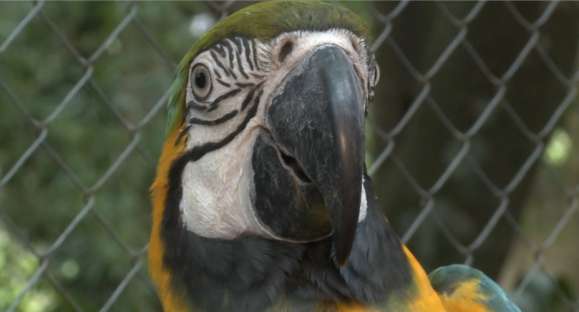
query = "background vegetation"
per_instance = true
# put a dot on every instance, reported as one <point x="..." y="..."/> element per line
<point x="82" y="88"/>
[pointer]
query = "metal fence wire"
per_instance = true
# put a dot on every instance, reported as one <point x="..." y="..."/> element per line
<point x="471" y="142"/>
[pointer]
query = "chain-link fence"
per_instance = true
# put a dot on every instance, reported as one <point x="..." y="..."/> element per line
<point x="472" y="139"/>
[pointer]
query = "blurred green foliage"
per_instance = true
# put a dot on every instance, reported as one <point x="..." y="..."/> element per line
<point x="38" y="72"/>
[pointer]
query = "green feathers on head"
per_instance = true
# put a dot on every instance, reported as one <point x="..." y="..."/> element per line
<point x="263" y="21"/>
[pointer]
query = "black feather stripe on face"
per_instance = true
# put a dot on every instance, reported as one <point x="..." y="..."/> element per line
<point x="214" y="122"/>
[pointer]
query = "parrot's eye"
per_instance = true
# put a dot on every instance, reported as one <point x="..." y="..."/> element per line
<point x="201" y="81"/>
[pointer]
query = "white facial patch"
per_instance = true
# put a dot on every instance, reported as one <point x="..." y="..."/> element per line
<point x="363" y="204"/>
<point x="216" y="199"/>
<point x="306" y="41"/>
<point x="217" y="188"/>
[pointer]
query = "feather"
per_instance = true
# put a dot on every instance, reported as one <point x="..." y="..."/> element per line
<point x="463" y="288"/>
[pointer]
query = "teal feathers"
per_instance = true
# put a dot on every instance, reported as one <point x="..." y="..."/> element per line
<point x="446" y="280"/>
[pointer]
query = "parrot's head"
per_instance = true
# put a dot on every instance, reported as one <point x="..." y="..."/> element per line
<point x="266" y="130"/>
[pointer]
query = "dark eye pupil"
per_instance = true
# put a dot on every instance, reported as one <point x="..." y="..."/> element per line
<point x="200" y="80"/>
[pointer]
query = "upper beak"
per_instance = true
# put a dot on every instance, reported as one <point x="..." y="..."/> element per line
<point x="317" y="119"/>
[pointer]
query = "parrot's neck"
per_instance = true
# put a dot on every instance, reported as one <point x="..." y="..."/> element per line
<point x="257" y="274"/>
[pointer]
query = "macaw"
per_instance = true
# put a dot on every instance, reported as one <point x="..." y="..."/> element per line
<point x="261" y="200"/>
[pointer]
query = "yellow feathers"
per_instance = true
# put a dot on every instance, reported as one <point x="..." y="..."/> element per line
<point x="162" y="278"/>
<point x="466" y="298"/>
<point x="425" y="299"/>
<point x="354" y="308"/>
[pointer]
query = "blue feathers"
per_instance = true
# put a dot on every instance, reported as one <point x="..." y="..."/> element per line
<point x="448" y="279"/>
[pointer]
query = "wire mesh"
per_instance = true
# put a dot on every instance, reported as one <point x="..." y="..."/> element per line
<point x="128" y="140"/>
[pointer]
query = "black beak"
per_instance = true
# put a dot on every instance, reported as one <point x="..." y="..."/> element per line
<point x="316" y="122"/>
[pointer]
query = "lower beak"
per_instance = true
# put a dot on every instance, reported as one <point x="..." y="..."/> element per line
<point x="316" y="121"/>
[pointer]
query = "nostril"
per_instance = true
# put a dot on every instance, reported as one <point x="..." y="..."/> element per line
<point x="293" y="164"/>
<point x="355" y="45"/>
<point x="285" y="50"/>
